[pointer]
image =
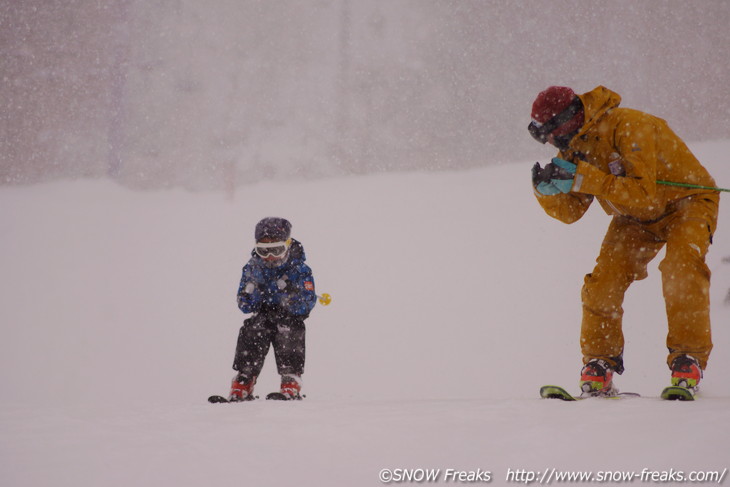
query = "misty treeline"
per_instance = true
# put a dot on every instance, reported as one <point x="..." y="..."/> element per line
<point x="228" y="92"/>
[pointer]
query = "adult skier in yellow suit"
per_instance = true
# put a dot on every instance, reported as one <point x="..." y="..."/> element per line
<point x="616" y="156"/>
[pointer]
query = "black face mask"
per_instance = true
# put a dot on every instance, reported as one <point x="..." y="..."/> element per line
<point x="562" y="142"/>
<point x="540" y="132"/>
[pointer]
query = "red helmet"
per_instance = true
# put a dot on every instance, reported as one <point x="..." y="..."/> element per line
<point x="556" y="111"/>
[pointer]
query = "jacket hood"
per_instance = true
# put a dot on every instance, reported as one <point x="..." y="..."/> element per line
<point x="596" y="103"/>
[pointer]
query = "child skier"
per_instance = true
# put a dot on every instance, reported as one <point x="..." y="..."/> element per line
<point x="278" y="288"/>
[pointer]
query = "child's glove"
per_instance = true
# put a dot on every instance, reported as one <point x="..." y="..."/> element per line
<point x="250" y="298"/>
<point x="284" y="284"/>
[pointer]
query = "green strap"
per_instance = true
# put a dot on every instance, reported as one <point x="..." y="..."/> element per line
<point x="695" y="186"/>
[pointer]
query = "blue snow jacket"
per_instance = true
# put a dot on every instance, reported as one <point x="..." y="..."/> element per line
<point x="288" y="288"/>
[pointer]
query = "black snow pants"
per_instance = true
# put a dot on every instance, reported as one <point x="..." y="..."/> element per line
<point x="285" y="332"/>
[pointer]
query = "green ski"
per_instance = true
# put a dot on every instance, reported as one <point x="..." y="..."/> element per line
<point x="678" y="393"/>
<point x="557" y="392"/>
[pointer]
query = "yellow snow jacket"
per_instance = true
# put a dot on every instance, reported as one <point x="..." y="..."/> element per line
<point x="620" y="154"/>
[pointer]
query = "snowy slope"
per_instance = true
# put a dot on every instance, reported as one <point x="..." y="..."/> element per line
<point x="455" y="298"/>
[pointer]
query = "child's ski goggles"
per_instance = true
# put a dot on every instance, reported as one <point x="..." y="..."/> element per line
<point x="273" y="249"/>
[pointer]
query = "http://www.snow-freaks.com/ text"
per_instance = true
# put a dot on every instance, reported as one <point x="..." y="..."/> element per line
<point x="547" y="476"/>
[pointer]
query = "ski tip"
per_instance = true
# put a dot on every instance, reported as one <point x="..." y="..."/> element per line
<point x="556" y="392"/>
<point x="278" y="396"/>
<point x="677" y="393"/>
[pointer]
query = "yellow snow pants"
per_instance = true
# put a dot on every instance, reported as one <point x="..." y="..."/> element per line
<point x="627" y="249"/>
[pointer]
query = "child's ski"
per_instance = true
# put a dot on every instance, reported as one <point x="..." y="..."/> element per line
<point x="278" y="396"/>
<point x="221" y="399"/>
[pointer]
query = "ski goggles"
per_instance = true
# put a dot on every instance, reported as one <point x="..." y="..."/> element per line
<point x="273" y="249"/>
<point x="541" y="131"/>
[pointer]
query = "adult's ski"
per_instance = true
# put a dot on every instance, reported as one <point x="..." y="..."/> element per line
<point x="557" y="392"/>
<point x="678" y="393"/>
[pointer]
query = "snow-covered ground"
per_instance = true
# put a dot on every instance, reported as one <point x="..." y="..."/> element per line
<point x="454" y="298"/>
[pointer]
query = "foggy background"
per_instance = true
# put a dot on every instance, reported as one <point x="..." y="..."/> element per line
<point x="208" y="95"/>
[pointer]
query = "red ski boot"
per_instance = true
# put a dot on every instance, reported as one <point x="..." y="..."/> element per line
<point x="291" y="385"/>
<point x="596" y="379"/>
<point x="242" y="388"/>
<point x="686" y="372"/>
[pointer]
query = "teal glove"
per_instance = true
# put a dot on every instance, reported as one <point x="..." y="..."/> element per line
<point x="555" y="178"/>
